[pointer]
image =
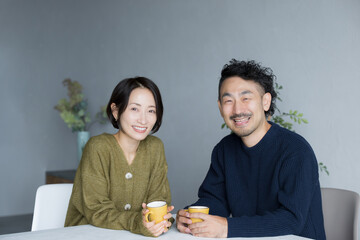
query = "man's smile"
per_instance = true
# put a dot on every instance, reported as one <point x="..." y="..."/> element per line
<point x="241" y="119"/>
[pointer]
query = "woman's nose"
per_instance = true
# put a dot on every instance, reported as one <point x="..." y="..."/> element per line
<point x="143" y="118"/>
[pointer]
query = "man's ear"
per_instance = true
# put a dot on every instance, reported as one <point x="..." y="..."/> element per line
<point x="114" y="111"/>
<point x="266" y="100"/>
<point x="220" y="108"/>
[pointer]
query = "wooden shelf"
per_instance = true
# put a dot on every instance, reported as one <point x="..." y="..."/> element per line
<point x="63" y="176"/>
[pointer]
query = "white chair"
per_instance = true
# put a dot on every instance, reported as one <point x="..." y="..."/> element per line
<point x="341" y="213"/>
<point x="51" y="203"/>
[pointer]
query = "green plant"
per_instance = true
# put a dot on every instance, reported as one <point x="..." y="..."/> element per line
<point x="282" y="118"/>
<point x="279" y="117"/>
<point x="74" y="110"/>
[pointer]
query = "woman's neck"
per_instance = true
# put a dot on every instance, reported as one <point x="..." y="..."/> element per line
<point x="128" y="145"/>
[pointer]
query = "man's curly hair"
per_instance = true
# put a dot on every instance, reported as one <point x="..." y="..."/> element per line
<point x="252" y="71"/>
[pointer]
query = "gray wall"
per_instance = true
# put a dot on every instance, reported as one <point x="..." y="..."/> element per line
<point x="312" y="46"/>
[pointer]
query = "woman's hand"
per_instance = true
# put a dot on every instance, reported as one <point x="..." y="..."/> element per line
<point x="161" y="227"/>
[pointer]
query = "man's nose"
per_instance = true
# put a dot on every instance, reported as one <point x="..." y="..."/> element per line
<point x="238" y="107"/>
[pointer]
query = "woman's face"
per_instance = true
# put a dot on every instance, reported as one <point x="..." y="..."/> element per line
<point x="139" y="117"/>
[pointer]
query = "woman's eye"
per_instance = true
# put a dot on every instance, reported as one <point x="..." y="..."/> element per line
<point x="133" y="109"/>
<point x="152" y="111"/>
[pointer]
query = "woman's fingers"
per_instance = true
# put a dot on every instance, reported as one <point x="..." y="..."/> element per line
<point x="170" y="208"/>
<point x="158" y="229"/>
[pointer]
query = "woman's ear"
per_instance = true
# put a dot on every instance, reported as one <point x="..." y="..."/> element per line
<point x="114" y="111"/>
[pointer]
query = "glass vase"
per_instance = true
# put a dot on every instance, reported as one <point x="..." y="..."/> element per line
<point x="82" y="138"/>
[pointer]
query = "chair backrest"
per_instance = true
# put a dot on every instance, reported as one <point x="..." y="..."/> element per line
<point x="51" y="203"/>
<point x="341" y="213"/>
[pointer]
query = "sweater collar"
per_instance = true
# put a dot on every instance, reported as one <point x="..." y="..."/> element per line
<point x="265" y="141"/>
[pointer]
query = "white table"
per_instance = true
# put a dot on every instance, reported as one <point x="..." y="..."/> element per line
<point x="89" y="232"/>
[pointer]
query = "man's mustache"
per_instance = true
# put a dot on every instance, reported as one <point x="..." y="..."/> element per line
<point x="240" y="115"/>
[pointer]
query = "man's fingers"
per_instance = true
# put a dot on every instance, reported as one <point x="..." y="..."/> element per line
<point x="204" y="235"/>
<point x="184" y="220"/>
<point x="198" y="215"/>
<point x="212" y="226"/>
<point x="197" y="225"/>
<point x="182" y="228"/>
<point x="198" y="229"/>
<point x="183" y="213"/>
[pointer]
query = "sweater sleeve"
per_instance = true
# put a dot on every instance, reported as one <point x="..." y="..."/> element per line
<point x="212" y="191"/>
<point x="159" y="184"/>
<point x="93" y="200"/>
<point x="298" y="180"/>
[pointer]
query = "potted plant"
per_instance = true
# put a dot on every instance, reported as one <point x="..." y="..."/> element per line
<point x="75" y="114"/>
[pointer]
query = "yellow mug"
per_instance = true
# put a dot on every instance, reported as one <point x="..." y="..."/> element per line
<point x="197" y="209"/>
<point x="157" y="211"/>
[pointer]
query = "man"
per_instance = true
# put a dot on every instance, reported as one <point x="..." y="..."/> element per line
<point x="263" y="179"/>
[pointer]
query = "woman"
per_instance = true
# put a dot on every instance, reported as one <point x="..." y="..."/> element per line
<point x="119" y="173"/>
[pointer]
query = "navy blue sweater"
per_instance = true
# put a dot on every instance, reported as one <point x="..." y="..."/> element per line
<point x="269" y="189"/>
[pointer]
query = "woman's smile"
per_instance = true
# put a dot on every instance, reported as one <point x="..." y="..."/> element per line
<point x="139" y="129"/>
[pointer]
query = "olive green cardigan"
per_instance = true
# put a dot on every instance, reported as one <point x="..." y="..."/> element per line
<point x="108" y="192"/>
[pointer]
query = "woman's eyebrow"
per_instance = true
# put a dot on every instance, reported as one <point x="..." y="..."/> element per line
<point x="138" y="104"/>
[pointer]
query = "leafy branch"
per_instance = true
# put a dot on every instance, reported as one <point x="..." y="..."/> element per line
<point x="74" y="110"/>
<point x="296" y="117"/>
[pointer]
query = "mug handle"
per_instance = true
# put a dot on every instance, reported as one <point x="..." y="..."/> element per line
<point x="147" y="216"/>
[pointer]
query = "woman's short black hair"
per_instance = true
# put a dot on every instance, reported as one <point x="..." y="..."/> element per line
<point x="253" y="71"/>
<point x="121" y="94"/>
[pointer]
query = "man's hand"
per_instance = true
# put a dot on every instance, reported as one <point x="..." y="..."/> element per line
<point x="212" y="226"/>
<point x="182" y="221"/>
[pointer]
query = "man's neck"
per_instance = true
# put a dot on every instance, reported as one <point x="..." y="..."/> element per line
<point x="255" y="137"/>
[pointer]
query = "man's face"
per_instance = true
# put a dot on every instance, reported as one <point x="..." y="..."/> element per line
<point x="242" y="104"/>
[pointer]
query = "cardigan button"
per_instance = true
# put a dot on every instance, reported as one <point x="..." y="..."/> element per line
<point x="127" y="207"/>
<point x="128" y="175"/>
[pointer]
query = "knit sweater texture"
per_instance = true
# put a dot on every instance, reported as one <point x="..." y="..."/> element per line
<point x="103" y="189"/>
<point x="269" y="189"/>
